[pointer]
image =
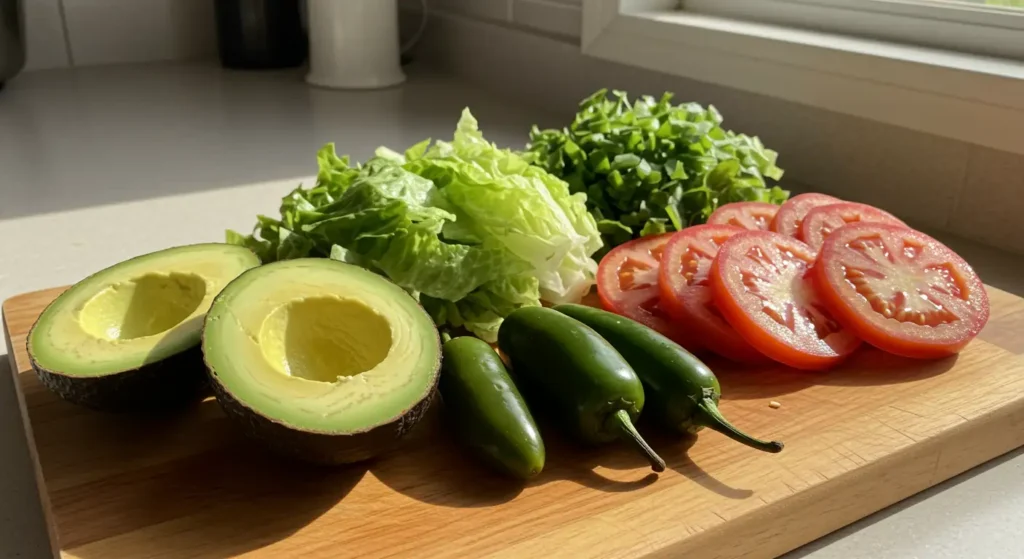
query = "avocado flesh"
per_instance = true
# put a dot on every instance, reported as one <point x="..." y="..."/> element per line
<point x="127" y="337"/>
<point x="321" y="360"/>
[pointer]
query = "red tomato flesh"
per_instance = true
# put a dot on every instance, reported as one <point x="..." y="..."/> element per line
<point x="791" y="214"/>
<point x="686" y="293"/>
<point x="820" y="222"/>
<point x="753" y="216"/>
<point x="761" y="283"/>
<point x="627" y="284"/>
<point x="901" y="290"/>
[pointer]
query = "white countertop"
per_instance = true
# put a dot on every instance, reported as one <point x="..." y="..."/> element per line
<point x="102" y="164"/>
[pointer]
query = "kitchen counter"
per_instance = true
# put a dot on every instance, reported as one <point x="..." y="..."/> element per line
<point x="102" y="164"/>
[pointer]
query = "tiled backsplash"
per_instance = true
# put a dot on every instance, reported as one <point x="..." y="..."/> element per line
<point x="62" y="33"/>
<point x="45" y="43"/>
<point x="116" y="31"/>
<point x="561" y="19"/>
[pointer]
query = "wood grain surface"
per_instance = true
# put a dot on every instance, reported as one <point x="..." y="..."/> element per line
<point x="859" y="438"/>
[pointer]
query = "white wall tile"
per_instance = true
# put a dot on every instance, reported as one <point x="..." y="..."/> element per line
<point x="913" y="175"/>
<point x="991" y="203"/>
<point x="44" y="35"/>
<point x="543" y="15"/>
<point x="116" y="31"/>
<point x="495" y="10"/>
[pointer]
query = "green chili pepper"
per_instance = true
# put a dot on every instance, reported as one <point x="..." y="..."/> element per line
<point x="568" y="368"/>
<point x="681" y="390"/>
<point x="486" y="409"/>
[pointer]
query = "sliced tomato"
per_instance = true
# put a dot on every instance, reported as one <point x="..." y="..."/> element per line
<point x="791" y="214"/>
<point x="901" y="290"/>
<point x="762" y="284"/>
<point x="754" y="216"/>
<point x="686" y="295"/>
<point x="820" y="222"/>
<point x="627" y="284"/>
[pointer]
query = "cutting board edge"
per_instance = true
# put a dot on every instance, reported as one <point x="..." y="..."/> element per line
<point x="30" y="441"/>
<point x="900" y="465"/>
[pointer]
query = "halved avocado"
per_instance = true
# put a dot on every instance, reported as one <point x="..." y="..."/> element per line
<point x="127" y="337"/>
<point x="320" y="360"/>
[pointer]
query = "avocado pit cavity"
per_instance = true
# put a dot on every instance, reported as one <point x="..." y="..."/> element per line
<point x="321" y="339"/>
<point x="142" y="306"/>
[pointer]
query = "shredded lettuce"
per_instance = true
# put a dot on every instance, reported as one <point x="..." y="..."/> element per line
<point x="650" y="166"/>
<point x="472" y="230"/>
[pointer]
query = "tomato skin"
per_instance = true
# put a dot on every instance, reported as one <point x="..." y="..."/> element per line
<point x="791" y="214"/>
<point x="753" y="216"/>
<point x="762" y="285"/>
<point x="641" y="301"/>
<point x="686" y="295"/>
<point x="964" y="307"/>
<point x="821" y="221"/>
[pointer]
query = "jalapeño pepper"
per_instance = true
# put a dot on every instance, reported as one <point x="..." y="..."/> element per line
<point x="682" y="392"/>
<point x="568" y="368"/>
<point x="486" y="409"/>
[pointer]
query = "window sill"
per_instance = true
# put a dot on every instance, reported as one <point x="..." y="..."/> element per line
<point x="970" y="98"/>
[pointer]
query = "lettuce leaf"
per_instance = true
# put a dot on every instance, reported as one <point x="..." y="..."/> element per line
<point x="502" y="201"/>
<point x="473" y="231"/>
<point x="482" y="311"/>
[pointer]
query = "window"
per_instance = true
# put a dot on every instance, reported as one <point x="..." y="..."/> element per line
<point x="988" y="27"/>
<point x="953" y="68"/>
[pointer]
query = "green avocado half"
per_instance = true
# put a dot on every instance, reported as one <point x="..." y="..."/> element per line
<point x="127" y="337"/>
<point x="320" y="360"/>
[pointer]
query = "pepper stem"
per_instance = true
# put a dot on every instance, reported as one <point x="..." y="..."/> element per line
<point x="620" y="421"/>
<point x="709" y="416"/>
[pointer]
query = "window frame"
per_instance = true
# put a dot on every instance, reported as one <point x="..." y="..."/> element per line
<point x="984" y="30"/>
<point x="968" y="97"/>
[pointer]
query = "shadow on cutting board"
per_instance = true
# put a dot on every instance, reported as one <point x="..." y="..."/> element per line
<point x="230" y="493"/>
<point x="453" y="477"/>
<point x="770" y="380"/>
<point x="676" y="451"/>
<point x="867" y="367"/>
<point x="433" y="467"/>
<point x="872" y="367"/>
<point x="235" y="494"/>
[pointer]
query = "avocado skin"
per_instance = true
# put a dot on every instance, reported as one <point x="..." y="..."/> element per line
<point x="320" y="448"/>
<point x="158" y="387"/>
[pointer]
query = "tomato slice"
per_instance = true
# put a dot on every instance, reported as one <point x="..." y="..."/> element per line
<point x="791" y="214"/>
<point x="901" y="290"/>
<point x="627" y="284"/>
<point x="754" y="216"/>
<point x="820" y="222"/>
<point x="686" y="294"/>
<point x="762" y="284"/>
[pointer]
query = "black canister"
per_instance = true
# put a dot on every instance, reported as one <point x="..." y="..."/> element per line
<point x="254" y="34"/>
<point x="12" y="39"/>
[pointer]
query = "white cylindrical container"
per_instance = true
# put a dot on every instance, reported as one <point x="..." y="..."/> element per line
<point x="354" y="44"/>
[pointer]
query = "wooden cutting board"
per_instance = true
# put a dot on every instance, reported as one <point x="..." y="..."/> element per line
<point x="860" y="438"/>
